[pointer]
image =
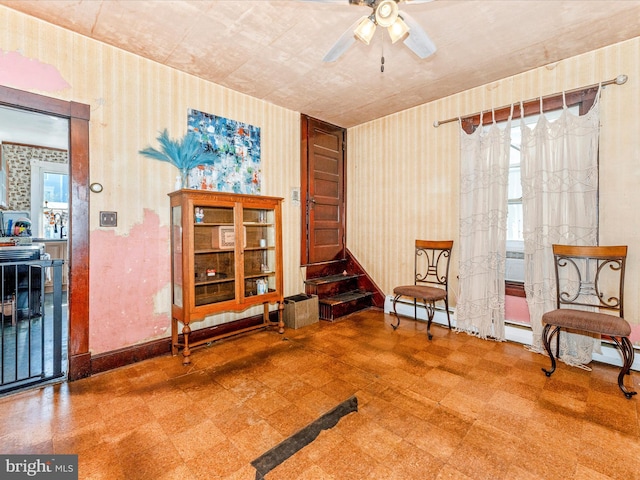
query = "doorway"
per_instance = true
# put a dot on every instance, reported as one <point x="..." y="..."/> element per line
<point x="323" y="154"/>
<point x="77" y="115"/>
<point x="34" y="321"/>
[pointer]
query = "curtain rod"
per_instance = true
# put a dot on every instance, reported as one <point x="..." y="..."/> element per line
<point x="619" y="80"/>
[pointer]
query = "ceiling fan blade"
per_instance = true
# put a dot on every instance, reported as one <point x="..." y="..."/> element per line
<point x="418" y="41"/>
<point x="344" y="42"/>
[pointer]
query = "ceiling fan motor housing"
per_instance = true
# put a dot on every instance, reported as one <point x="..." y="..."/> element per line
<point x="386" y="13"/>
<point x="368" y="3"/>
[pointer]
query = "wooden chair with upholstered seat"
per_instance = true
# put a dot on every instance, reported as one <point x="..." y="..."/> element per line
<point x="589" y="283"/>
<point x="431" y="280"/>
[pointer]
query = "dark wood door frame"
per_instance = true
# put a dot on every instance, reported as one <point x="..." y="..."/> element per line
<point x="78" y="115"/>
<point x="304" y="188"/>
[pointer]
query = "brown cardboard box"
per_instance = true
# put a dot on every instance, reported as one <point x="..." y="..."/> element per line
<point x="300" y="310"/>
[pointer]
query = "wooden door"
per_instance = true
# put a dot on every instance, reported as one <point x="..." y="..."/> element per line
<point x="323" y="191"/>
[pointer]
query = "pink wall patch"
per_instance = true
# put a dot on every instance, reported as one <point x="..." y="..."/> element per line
<point x="516" y="309"/>
<point x="27" y="74"/>
<point x="126" y="273"/>
<point x="635" y="334"/>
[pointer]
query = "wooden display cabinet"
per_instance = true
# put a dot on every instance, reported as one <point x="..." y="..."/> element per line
<point x="226" y="256"/>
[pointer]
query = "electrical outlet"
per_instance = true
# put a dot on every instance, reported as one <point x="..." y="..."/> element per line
<point x="108" y="219"/>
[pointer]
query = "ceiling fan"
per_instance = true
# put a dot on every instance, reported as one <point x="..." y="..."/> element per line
<point x="386" y="15"/>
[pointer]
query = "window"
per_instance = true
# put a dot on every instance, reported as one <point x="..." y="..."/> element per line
<point x="49" y="199"/>
<point x="515" y="241"/>
<point x="579" y="102"/>
<point x="514" y="270"/>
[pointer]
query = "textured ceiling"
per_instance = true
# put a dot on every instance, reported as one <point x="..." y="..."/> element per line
<point x="273" y="50"/>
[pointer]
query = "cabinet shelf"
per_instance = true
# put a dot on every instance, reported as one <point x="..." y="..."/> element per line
<point x="213" y="298"/>
<point x="252" y="294"/>
<point x="258" y="274"/>
<point x="213" y="282"/>
<point x="209" y="224"/>
<point x="234" y="236"/>
<point x="210" y="250"/>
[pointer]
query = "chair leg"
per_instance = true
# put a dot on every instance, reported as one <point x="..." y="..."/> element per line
<point x="446" y="306"/>
<point x="546" y="340"/>
<point x="430" y="307"/>
<point x="395" y="299"/>
<point x="626" y="348"/>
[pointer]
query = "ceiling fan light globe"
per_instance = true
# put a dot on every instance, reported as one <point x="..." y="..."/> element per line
<point x="386" y="13"/>
<point x="365" y="30"/>
<point x="398" y="30"/>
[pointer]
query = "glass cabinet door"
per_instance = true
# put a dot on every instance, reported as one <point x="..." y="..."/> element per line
<point x="213" y="255"/>
<point x="259" y="252"/>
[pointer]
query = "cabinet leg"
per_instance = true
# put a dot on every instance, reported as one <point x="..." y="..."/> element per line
<point x="186" y="352"/>
<point x="174" y="337"/>
<point x="280" y="317"/>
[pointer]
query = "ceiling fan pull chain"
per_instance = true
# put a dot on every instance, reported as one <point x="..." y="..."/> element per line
<point x="382" y="56"/>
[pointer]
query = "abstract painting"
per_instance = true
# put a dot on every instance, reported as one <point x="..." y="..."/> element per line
<point x="237" y="146"/>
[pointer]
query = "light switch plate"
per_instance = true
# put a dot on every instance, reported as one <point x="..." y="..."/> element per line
<point x="295" y="196"/>
<point x="108" y="219"/>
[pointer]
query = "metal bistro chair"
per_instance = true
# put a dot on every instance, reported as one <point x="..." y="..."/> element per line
<point x="431" y="280"/>
<point x="590" y="280"/>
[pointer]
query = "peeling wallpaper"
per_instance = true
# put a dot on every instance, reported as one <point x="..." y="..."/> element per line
<point x="25" y="73"/>
<point x="132" y="100"/>
<point x="402" y="172"/>
<point x="126" y="275"/>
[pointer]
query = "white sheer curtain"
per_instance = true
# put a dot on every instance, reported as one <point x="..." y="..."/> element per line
<point x="559" y="171"/>
<point x="484" y="174"/>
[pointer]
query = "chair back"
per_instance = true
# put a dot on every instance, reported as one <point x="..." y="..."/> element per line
<point x="432" y="262"/>
<point x="590" y="276"/>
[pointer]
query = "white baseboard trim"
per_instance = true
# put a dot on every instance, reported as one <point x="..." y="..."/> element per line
<point x="513" y="333"/>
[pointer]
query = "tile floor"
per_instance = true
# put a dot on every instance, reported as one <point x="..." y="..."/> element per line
<point x="454" y="408"/>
